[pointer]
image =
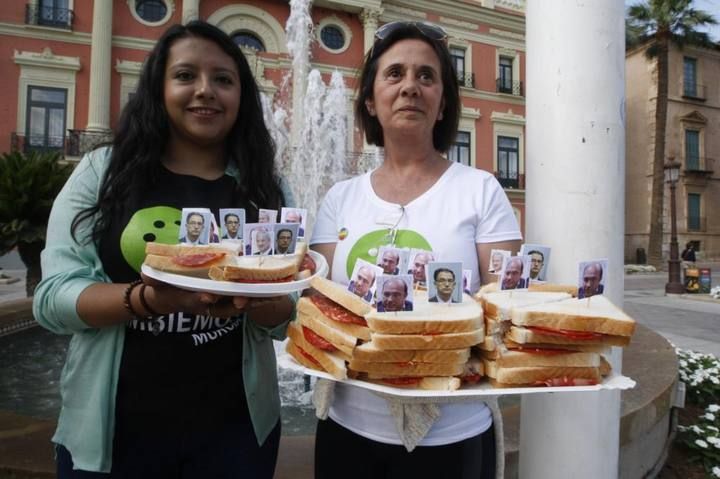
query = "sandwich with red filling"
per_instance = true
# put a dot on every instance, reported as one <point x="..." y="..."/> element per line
<point x="189" y="260"/>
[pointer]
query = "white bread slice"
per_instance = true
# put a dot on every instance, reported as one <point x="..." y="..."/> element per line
<point x="428" y="317"/>
<point x="597" y="314"/>
<point x="489" y="350"/>
<point x="333" y="363"/>
<point x="499" y="304"/>
<point x="306" y="306"/>
<point x="516" y="359"/>
<point x="161" y="249"/>
<point x="405" y="369"/>
<point x="570" y="289"/>
<point x="525" y="336"/>
<point x="341" y="295"/>
<point x="256" y="268"/>
<point x="343" y="341"/>
<point x="529" y="376"/>
<point x="369" y="352"/>
<point x="293" y="350"/>
<point x="432" y="383"/>
<point x="425" y="341"/>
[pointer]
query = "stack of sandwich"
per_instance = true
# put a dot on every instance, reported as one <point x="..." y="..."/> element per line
<point x="428" y="347"/>
<point x="551" y="340"/>
<point x="329" y="325"/>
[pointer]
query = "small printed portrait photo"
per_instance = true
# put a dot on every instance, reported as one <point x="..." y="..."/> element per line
<point x="363" y="280"/>
<point x="294" y="215"/>
<point x="445" y="285"/>
<point x="515" y="272"/>
<point x="497" y="256"/>
<point x="467" y="281"/>
<point x="395" y="293"/>
<point x="258" y="239"/>
<point x="539" y="260"/>
<point x="232" y="221"/>
<point x="267" y="216"/>
<point x="286" y="235"/>
<point x="195" y="226"/>
<point x="392" y="260"/>
<point x="417" y="263"/>
<point x="591" y="277"/>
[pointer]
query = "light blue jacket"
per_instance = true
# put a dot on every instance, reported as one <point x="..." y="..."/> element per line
<point x="88" y="384"/>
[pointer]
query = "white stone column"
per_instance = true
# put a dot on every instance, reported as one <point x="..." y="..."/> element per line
<point x="369" y="19"/>
<point x="190" y="10"/>
<point x="100" y="67"/>
<point x="575" y="203"/>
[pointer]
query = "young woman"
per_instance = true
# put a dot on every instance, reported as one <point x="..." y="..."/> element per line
<point x="161" y="382"/>
<point x="409" y="104"/>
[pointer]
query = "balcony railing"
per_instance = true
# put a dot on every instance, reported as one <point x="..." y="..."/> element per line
<point x="699" y="165"/>
<point x="693" y="91"/>
<point x="509" y="87"/>
<point x="80" y="142"/>
<point x="466" y="79"/>
<point x="696" y="223"/>
<point x="511" y="181"/>
<point x="49" y="16"/>
<point x="36" y="142"/>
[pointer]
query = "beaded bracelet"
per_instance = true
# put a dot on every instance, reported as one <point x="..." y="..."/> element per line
<point x="126" y="298"/>
<point x="145" y="304"/>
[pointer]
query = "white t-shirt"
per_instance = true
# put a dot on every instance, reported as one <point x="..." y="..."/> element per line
<point x="464" y="207"/>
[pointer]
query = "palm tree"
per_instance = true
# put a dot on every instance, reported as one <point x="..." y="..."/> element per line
<point x="658" y="24"/>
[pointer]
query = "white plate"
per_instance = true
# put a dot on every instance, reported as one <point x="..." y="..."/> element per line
<point x="614" y="381"/>
<point x="229" y="288"/>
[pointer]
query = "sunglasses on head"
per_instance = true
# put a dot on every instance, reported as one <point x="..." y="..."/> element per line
<point x="429" y="30"/>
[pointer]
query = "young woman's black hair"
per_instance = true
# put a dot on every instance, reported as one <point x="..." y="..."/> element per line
<point x="445" y="130"/>
<point x="143" y="132"/>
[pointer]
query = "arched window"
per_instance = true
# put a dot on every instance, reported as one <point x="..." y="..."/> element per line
<point x="248" y="40"/>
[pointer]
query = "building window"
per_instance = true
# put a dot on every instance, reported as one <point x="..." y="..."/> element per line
<point x="332" y="37"/>
<point x="46" y="110"/>
<point x="690" y="77"/>
<point x="505" y="75"/>
<point x="460" y="151"/>
<point x="248" y="40"/>
<point x="508" y="161"/>
<point x="458" y="59"/>
<point x="692" y="150"/>
<point x="151" y="10"/>
<point x="49" y="13"/>
<point x="694" y="222"/>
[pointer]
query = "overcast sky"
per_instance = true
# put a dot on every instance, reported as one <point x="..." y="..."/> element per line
<point x="710" y="6"/>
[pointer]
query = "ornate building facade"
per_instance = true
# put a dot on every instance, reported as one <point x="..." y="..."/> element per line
<point x="69" y="66"/>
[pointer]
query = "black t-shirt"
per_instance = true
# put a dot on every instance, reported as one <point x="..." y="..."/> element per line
<point x="189" y="373"/>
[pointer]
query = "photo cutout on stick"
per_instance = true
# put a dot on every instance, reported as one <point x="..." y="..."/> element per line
<point x="539" y="260"/>
<point x="395" y="293"/>
<point x="295" y="215"/>
<point x="497" y="257"/>
<point x="267" y="216"/>
<point x="417" y="265"/>
<point x="515" y="272"/>
<point x="467" y="281"/>
<point x="258" y="238"/>
<point x="445" y="285"/>
<point x="392" y="260"/>
<point x="195" y="226"/>
<point x="363" y="280"/>
<point x="591" y="277"/>
<point x="232" y="222"/>
<point x="286" y="235"/>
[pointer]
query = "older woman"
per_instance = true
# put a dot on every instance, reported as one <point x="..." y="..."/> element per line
<point x="409" y="104"/>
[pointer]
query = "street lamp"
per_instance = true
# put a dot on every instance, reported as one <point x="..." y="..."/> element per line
<point x="673" y="286"/>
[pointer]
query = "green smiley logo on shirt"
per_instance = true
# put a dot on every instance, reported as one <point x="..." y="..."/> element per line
<point x="371" y="242"/>
<point x="159" y="223"/>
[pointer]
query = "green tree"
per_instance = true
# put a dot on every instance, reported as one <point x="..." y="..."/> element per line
<point x="29" y="184"/>
<point x="658" y="24"/>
